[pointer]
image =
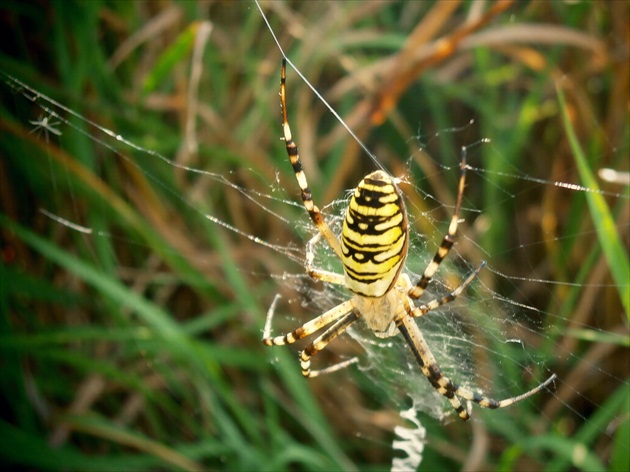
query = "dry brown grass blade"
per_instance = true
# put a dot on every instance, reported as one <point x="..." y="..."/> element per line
<point x="439" y="51"/>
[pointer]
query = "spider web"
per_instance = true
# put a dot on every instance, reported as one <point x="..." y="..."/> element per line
<point x="477" y="339"/>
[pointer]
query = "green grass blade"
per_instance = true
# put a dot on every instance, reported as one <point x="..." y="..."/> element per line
<point x="151" y="314"/>
<point x="604" y="223"/>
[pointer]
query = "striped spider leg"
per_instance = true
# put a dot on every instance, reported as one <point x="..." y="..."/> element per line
<point x="373" y="248"/>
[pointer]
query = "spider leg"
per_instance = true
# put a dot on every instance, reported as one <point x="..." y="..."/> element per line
<point x="433" y="304"/>
<point x="429" y="367"/>
<point x="447" y="242"/>
<point x="445" y="386"/>
<point x="317" y="274"/>
<point x="307" y="328"/>
<point x="320" y="344"/>
<point x="326" y="276"/>
<point x="294" y="157"/>
<point x="486" y="402"/>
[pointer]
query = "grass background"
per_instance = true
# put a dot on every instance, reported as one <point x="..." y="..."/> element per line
<point x="138" y="346"/>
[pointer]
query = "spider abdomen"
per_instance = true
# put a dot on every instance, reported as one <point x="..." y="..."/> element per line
<point x="374" y="236"/>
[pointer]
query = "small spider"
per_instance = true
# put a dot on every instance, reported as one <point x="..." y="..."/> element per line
<point x="45" y="123"/>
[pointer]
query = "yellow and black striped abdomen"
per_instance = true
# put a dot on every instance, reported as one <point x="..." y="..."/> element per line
<point x="374" y="237"/>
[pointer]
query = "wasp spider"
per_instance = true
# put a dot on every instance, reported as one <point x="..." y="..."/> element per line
<point x="373" y="248"/>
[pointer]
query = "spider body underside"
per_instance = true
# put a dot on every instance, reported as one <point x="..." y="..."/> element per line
<point x="373" y="248"/>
